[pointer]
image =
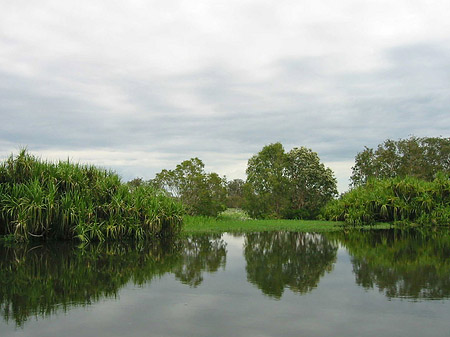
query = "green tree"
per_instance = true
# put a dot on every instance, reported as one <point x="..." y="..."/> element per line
<point x="267" y="184"/>
<point x="287" y="185"/>
<point x="419" y="157"/>
<point x="202" y="193"/>
<point x="311" y="184"/>
<point x="235" y="193"/>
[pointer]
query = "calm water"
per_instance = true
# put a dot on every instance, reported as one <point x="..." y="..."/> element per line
<point x="262" y="284"/>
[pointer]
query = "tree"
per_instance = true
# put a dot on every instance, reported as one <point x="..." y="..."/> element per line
<point x="202" y="193"/>
<point x="419" y="157"/>
<point x="235" y="193"/>
<point x="287" y="185"/>
<point x="312" y="185"/>
<point x="267" y="184"/>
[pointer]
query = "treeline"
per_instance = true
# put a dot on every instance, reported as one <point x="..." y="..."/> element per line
<point x="404" y="181"/>
<point x="279" y="184"/>
<point x="40" y="199"/>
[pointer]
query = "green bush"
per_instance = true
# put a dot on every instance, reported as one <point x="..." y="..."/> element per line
<point x="65" y="201"/>
<point x="405" y="200"/>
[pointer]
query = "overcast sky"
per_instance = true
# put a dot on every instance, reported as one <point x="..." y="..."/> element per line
<point x="139" y="86"/>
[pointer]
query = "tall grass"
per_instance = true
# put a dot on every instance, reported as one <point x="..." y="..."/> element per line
<point x="41" y="199"/>
<point x="406" y="200"/>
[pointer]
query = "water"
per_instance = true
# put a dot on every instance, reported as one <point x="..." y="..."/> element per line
<point x="261" y="284"/>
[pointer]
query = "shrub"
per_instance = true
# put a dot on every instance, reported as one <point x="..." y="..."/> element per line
<point x="65" y="200"/>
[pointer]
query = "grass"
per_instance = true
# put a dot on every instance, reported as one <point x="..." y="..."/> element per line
<point x="233" y="220"/>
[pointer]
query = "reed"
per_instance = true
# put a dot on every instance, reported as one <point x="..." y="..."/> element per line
<point x="63" y="200"/>
<point x="402" y="201"/>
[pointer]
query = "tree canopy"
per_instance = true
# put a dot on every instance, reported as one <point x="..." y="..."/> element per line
<point x="287" y="185"/>
<point x="200" y="192"/>
<point x="419" y="157"/>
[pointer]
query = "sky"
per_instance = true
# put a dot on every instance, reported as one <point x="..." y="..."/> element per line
<point x="139" y="86"/>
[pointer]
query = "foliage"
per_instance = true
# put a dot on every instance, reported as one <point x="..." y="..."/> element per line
<point x="235" y="193"/>
<point x="233" y="214"/>
<point x="271" y="266"/>
<point x="201" y="193"/>
<point x="287" y="185"/>
<point x="419" y="157"/>
<point x="41" y="280"/>
<point x="401" y="263"/>
<point x="39" y="199"/>
<point x="400" y="200"/>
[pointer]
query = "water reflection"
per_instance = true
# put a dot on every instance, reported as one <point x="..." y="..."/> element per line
<point x="401" y="264"/>
<point x="276" y="260"/>
<point x="41" y="280"/>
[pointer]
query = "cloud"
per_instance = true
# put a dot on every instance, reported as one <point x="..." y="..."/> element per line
<point x="145" y="84"/>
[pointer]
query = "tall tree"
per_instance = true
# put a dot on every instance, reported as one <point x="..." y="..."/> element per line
<point x="202" y="193"/>
<point x="311" y="184"/>
<point x="267" y="184"/>
<point x="419" y="157"/>
<point x="235" y="193"/>
<point x="287" y="185"/>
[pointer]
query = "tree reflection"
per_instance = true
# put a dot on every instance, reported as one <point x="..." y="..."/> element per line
<point x="276" y="260"/>
<point x="41" y="280"/>
<point x="200" y="253"/>
<point x="401" y="264"/>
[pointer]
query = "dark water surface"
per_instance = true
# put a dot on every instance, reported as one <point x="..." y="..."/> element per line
<point x="262" y="284"/>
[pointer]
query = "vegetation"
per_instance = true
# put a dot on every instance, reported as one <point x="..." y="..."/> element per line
<point x="41" y="280"/>
<point x="200" y="192"/>
<point x="422" y="158"/>
<point x="399" y="200"/>
<point x="235" y="220"/>
<point x="400" y="263"/>
<point x="39" y="199"/>
<point x="235" y="193"/>
<point x="293" y="185"/>
<point x="271" y="266"/>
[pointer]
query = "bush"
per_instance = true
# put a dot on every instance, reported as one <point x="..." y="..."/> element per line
<point x="64" y="201"/>
<point x="399" y="200"/>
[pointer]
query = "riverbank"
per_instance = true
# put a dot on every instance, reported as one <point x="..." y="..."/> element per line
<point x="196" y="224"/>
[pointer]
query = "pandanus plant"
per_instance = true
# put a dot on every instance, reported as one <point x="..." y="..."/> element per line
<point x="64" y="201"/>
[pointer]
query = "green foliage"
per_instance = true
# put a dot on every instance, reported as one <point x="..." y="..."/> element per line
<point x="271" y="266"/>
<point x="233" y="214"/>
<point x="293" y="185"/>
<point x="201" y="193"/>
<point x="41" y="280"/>
<point x="399" y="200"/>
<point x="235" y="193"/>
<point x="419" y="157"/>
<point x="401" y="263"/>
<point x="62" y="200"/>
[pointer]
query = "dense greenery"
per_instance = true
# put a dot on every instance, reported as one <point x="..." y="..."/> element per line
<point x="235" y="193"/>
<point x="292" y="185"/>
<point x="419" y="157"/>
<point x="65" y="200"/>
<point x="406" y="264"/>
<point x="272" y="267"/>
<point x="41" y="280"/>
<point x="400" y="200"/>
<point x="200" y="192"/>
